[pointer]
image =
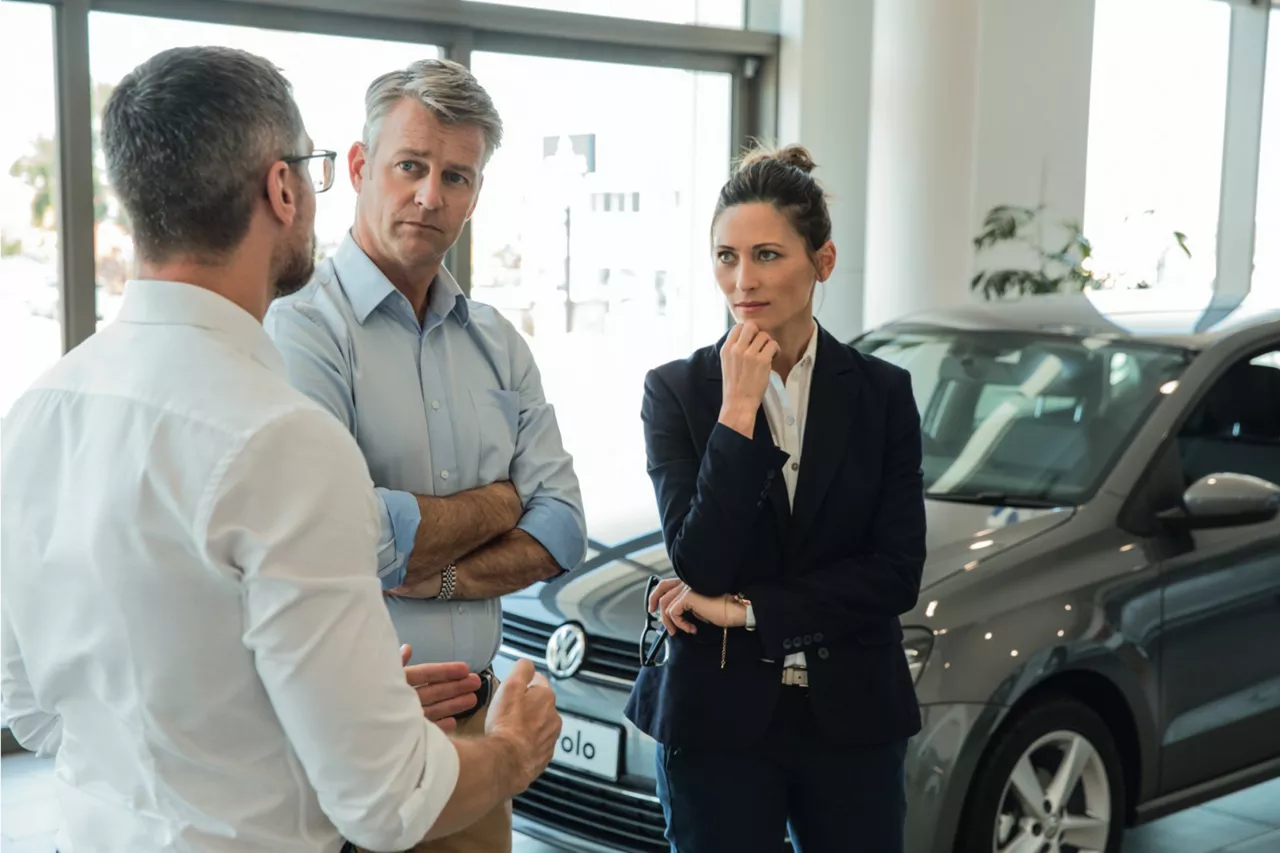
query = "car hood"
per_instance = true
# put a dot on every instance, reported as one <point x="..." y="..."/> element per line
<point x="960" y="534"/>
<point x="605" y="594"/>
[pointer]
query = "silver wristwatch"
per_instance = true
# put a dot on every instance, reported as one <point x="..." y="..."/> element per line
<point x="448" y="582"/>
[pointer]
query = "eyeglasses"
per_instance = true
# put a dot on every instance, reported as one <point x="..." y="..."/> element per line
<point x="654" y="647"/>
<point x="324" y="179"/>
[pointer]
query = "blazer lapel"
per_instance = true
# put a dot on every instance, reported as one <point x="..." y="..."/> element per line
<point x="778" y="486"/>
<point x="828" y="429"/>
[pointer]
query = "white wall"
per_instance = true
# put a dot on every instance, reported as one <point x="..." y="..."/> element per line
<point x="1034" y="69"/>
<point x="922" y="115"/>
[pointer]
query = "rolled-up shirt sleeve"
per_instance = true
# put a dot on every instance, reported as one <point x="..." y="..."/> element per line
<point x="542" y="470"/>
<point x="558" y="527"/>
<point x="293" y="512"/>
<point x="398" y="518"/>
<point x="35" y="728"/>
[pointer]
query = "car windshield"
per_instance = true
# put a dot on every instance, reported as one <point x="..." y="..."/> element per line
<point x="1025" y="419"/>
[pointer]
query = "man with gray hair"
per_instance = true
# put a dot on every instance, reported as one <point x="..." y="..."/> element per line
<point x="478" y="496"/>
<point x="192" y="622"/>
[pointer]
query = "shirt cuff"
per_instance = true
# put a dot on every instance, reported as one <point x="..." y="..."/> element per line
<point x="400" y="516"/>
<point x="556" y="528"/>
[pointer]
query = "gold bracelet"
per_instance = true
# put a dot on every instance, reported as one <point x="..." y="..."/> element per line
<point x="724" y="643"/>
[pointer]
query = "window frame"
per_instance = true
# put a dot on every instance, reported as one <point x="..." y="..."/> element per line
<point x="749" y="56"/>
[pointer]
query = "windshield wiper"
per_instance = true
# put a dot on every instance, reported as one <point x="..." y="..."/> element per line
<point x="996" y="499"/>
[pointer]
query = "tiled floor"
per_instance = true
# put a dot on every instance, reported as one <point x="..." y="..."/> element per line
<point x="1247" y="822"/>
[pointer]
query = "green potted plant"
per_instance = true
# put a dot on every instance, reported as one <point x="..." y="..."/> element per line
<point x="1060" y="267"/>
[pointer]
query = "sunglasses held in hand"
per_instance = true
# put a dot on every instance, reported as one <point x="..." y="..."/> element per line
<point x="653" y="640"/>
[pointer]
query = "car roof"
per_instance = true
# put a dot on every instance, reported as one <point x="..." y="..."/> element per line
<point x="1184" y="319"/>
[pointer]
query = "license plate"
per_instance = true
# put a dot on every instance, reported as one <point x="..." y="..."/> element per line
<point x="591" y="747"/>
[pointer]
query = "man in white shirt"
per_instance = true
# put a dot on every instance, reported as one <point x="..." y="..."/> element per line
<point x="192" y="620"/>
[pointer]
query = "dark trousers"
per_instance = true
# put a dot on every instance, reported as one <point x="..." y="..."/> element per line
<point x="832" y="798"/>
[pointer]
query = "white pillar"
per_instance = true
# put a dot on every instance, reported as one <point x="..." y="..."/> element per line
<point x="920" y="188"/>
<point x="824" y="77"/>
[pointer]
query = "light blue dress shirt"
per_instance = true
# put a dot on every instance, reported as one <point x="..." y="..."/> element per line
<point x="437" y="409"/>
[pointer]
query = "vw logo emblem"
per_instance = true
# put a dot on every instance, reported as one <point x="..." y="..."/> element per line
<point x="566" y="651"/>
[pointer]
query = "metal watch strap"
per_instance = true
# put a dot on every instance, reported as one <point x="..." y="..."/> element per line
<point x="448" y="582"/>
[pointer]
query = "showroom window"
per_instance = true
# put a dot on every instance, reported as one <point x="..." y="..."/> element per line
<point x="710" y="13"/>
<point x="1156" y="115"/>
<point x="591" y="237"/>
<point x="30" y="306"/>
<point x="329" y="92"/>
<point x="1266" y="252"/>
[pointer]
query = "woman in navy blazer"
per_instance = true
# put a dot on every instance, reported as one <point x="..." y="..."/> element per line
<point x="787" y="471"/>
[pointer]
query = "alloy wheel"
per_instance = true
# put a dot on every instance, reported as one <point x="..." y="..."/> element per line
<point x="1056" y="800"/>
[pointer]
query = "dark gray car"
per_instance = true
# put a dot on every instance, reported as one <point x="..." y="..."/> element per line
<point x="1097" y="642"/>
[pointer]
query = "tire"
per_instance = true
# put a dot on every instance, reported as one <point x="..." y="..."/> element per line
<point x="1031" y="750"/>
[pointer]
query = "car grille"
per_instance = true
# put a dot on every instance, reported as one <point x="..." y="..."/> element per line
<point x="609" y="660"/>
<point x="597" y="811"/>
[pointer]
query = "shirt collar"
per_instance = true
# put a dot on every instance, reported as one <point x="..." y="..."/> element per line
<point x="810" y="351"/>
<point x="173" y="303"/>
<point x="367" y="288"/>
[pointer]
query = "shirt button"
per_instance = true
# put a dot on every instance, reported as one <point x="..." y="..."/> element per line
<point x="444" y="475"/>
<point x="462" y="608"/>
<point x="790" y="420"/>
<point x="435" y="404"/>
<point x="795" y="466"/>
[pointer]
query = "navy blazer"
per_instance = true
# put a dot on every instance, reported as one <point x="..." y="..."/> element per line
<point x="829" y="579"/>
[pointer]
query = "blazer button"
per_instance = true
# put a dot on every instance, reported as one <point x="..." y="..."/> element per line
<point x="808" y="639"/>
<point x="823" y="653"/>
<point x="817" y="638"/>
<point x="786" y="644"/>
<point x="797" y="642"/>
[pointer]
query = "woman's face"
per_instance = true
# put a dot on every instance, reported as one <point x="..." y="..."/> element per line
<point x="763" y="268"/>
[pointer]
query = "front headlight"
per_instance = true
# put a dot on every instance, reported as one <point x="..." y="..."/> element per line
<point x="917" y="643"/>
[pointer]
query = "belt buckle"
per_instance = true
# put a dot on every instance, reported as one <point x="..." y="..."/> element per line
<point x="794" y="676"/>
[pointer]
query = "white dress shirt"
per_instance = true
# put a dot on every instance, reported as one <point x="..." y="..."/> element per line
<point x="192" y="621"/>
<point x="785" y="405"/>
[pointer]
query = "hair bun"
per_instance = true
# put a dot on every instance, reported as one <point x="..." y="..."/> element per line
<point x="792" y="155"/>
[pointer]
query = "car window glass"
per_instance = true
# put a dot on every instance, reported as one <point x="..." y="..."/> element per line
<point x="1009" y="415"/>
<point x="1236" y="427"/>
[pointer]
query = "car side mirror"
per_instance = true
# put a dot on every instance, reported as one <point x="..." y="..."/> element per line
<point x="1226" y="500"/>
